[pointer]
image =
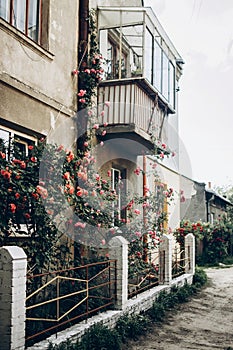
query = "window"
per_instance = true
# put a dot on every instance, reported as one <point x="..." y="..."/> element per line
<point x="12" y="142"/>
<point x="157" y="66"/>
<point x="15" y="144"/>
<point x="148" y="55"/>
<point x="165" y="80"/>
<point x="111" y="60"/>
<point x="25" y="15"/>
<point x="171" y="85"/>
<point x="212" y="218"/>
<point x="161" y="206"/>
<point x="116" y="61"/>
<point x="4" y="142"/>
<point x="118" y="184"/>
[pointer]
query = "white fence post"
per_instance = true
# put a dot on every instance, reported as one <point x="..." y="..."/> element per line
<point x="189" y="247"/>
<point x="118" y="249"/>
<point x="165" y="252"/>
<point x="13" y="267"/>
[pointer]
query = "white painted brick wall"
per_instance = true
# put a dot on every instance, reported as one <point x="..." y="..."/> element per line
<point x="13" y="262"/>
<point x="13" y="293"/>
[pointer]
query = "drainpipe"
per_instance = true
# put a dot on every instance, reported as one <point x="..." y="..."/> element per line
<point x="83" y="32"/>
<point x="82" y="63"/>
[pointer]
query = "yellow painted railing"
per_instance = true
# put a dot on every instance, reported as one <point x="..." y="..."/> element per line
<point x="57" y="299"/>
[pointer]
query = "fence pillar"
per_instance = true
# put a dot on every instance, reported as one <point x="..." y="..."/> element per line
<point x="189" y="246"/>
<point x="13" y="264"/>
<point x="118" y="249"/>
<point x="165" y="252"/>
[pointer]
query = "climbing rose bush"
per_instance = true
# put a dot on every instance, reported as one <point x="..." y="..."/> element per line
<point x="216" y="238"/>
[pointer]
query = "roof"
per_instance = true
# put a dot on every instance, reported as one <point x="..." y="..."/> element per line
<point x="209" y="190"/>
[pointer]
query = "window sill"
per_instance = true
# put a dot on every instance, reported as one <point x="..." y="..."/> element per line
<point x="23" y="39"/>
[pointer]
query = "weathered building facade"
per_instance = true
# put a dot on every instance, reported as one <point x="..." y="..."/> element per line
<point x="39" y="52"/>
<point x="44" y="43"/>
<point x="141" y="74"/>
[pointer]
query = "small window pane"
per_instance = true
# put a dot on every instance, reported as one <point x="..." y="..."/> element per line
<point x="5" y="9"/>
<point x="4" y="141"/>
<point x="157" y="66"/>
<point x="33" y="21"/>
<point x="19" y="13"/>
<point x="115" y="186"/>
<point x="20" y="149"/>
<point x="172" y="84"/>
<point x="165" y="76"/>
<point x="148" y="56"/>
<point x="21" y="146"/>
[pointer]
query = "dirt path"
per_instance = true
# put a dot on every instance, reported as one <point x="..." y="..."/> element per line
<point x="206" y="322"/>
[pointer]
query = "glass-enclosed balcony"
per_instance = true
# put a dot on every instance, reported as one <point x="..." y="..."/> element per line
<point x="136" y="47"/>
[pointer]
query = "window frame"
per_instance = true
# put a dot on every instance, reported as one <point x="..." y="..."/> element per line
<point x="26" y="140"/>
<point x="17" y="137"/>
<point x="157" y="68"/>
<point x="119" y="62"/>
<point x="119" y="212"/>
<point x="162" y="206"/>
<point x="12" y="18"/>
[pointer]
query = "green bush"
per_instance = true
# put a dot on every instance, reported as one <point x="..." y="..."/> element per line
<point x="183" y="293"/>
<point x="63" y="346"/>
<point x="157" y="312"/>
<point x="199" y="278"/>
<point x="131" y="327"/>
<point x="99" y="337"/>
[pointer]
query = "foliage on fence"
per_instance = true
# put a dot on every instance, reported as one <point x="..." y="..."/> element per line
<point x="216" y="238"/>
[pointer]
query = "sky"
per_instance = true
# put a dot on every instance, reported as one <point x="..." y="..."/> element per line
<point x="202" y="32"/>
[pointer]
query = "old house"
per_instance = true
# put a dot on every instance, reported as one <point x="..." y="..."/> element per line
<point x="45" y="44"/>
<point x="141" y="73"/>
<point x="201" y="202"/>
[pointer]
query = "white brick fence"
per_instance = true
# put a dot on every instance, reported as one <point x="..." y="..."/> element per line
<point x="13" y="265"/>
<point x="13" y="292"/>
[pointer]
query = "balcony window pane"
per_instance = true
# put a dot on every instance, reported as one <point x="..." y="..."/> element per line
<point x="33" y="20"/>
<point x="4" y="142"/>
<point x="19" y="13"/>
<point x="157" y="72"/>
<point x="148" y="56"/>
<point x="5" y="9"/>
<point x="171" y="96"/>
<point x="165" y="76"/>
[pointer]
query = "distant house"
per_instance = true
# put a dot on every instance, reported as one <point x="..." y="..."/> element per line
<point x="216" y="205"/>
<point x="201" y="203"/>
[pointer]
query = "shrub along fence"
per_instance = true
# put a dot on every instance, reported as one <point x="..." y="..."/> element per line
<point x="112" y="277"/>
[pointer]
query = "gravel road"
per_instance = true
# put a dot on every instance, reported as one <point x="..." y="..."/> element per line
<point x="204" y="323"/>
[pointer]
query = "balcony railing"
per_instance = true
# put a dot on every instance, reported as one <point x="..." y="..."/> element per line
<point x="134" y="108"/>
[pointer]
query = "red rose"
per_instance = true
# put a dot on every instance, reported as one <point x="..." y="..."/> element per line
<point x="12" y="207"/>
